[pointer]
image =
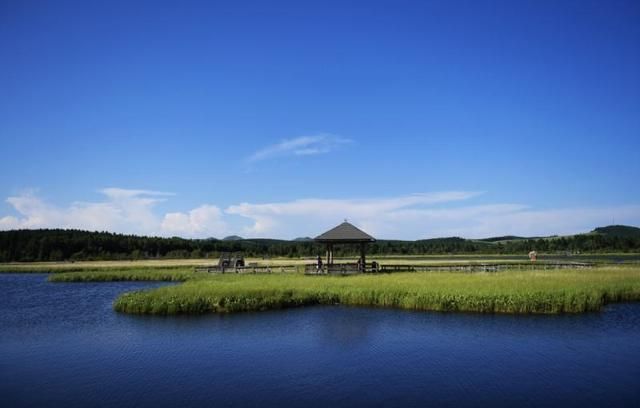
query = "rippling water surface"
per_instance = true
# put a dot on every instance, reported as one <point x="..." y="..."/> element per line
<point x="61" y="344"/>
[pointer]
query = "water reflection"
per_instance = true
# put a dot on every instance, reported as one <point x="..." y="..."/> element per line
<point x="353" y="329"/>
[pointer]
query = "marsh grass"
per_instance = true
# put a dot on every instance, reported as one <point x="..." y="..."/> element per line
<point x="92" y="266"/>
<point x="127" y="274"/>
<point x="553" y="291"/>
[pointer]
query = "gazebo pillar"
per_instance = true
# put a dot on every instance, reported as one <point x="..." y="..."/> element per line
<point x="363" y="251"/>
<point x="329" y="254"/>
<point x="328" y="259"/>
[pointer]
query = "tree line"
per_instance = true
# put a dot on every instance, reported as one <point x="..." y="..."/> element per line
<point x="76" y="245"/>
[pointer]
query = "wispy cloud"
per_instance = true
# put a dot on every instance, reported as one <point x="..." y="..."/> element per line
<point x="418" y="217"/>
<point x="123" y="193"/>
<point x="277" y="218"/>
<point x="300" y="146"/>
<point x="319" y="214"/>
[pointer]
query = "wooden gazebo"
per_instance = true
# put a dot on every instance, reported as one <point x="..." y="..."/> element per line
<point x="345" y="233"/>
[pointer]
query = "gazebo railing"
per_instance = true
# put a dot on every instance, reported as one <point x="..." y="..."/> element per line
<point x="340" y="269"/>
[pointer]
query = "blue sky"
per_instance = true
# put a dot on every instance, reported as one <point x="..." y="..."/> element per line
<point x="280" y="119"/>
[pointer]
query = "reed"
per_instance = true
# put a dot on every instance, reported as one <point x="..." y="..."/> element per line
<point x="554" y="291"/>
<point x="127" y="274"/>
<point x="85" y="268"/>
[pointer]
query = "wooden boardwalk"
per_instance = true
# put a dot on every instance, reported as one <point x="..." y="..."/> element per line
<point x="353" y="268"/>
<point x="248" y="269"/>
<point x="484" y="267"/>
<point x="348" y="269"/>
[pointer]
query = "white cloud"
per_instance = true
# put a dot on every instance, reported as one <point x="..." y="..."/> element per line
<point x="123" y="210"/>
<point x="414" y="216"/>
<point x="300" y="146"/>
<point x="8" y="223"/>
<point x="280" y="219"/>
<point x="424" y="216"/>
<point x="562" y="221"/>
<point x="204" y="221"/>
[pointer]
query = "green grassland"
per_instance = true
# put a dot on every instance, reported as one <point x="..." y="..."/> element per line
<point x="174" y="274"/>
<point x="528" y="291"/>
<point x="94" y="266"/>
<point x="566" y="291"/>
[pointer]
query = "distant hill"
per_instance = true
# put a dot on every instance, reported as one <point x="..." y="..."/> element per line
<point x="504" y="238"/>
<point x="621" y="231"/>
<point x="618" y="231"/>
<point x="232" y="238"/>
<point x="303" y="239"/>
<point x="439" y="240"/>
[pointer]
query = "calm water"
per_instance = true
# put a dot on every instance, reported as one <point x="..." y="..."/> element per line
<point x="61" y="344"/>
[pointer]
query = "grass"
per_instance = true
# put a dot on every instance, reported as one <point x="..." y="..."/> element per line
<point x="127" y="274"/>
<point x="91" y="266"/>
<point x="557" y="291"/>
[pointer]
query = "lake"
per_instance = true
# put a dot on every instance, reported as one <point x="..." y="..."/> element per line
<point x="61" y="344"/>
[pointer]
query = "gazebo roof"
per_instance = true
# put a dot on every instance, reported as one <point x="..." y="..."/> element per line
<point x="345" y="232"/>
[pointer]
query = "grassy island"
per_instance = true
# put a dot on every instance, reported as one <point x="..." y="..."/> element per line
<point x="552" y="291"/>
<point x="567" y="291"/>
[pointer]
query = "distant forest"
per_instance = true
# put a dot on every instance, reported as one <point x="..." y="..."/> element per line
<point x="75" y="245"/>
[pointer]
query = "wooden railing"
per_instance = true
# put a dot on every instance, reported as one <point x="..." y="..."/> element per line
<point x="354" y="268"/>
<point x="340" y="269"/>
<point x="483" y="267"/>
<point x="248" y="269"/>
<point x="350" y="269"/>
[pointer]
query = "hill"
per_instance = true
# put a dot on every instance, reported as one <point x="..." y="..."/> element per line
<point x="621" y="231"/>
<point x="232" y="238"/>
<point x="504" y="238"/>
